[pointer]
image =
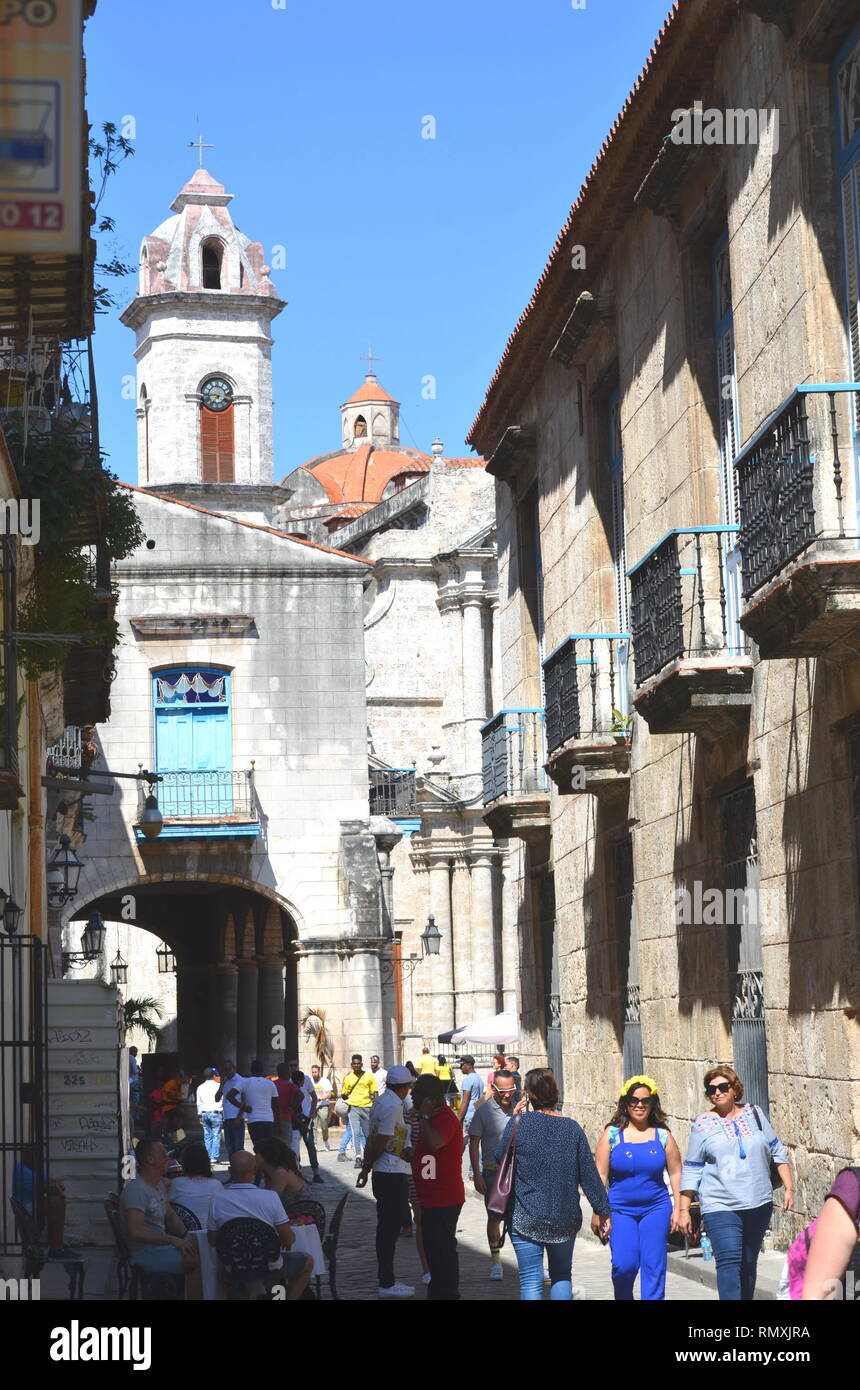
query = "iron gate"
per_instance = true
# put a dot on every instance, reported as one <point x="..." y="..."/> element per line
<point x="746" y="966"/>
<point x="23" y="1083"/>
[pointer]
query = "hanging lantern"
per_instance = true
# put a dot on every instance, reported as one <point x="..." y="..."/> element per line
<point x="92" y="937"/>
<point x="63" y="873"/>
<point x="119" y="969"/>
<point x="166" y="960"/>
<point x="151" y="819"/>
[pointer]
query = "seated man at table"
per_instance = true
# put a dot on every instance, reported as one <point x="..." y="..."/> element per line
<point x="242" y="1199"/>
<point x="157" y="1237"/>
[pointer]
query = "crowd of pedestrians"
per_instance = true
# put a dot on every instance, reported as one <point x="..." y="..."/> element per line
<point x="530" y="1162"/>
<point x="418" y="1134"/>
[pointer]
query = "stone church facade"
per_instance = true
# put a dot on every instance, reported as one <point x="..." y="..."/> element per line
<point x="675" y="757"/>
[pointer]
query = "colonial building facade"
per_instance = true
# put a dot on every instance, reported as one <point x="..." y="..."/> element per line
<point x="673" y="430"/>
<point x="306" y="666"/>
<point x="239" y="682"/>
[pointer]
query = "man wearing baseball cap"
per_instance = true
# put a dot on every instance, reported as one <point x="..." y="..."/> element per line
<point x="388" y="1156"/>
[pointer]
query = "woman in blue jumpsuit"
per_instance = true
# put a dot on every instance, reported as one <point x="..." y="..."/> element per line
<point x="634" y="1154"/>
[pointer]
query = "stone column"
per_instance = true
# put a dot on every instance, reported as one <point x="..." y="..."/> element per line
<point x="510" y="935"/>
<point x="474" y="688"/>
<point x="448" y="603"/>
<point x="270" y="1010"/>
<point x="291" y="1005"/>
<point x="461" y="911"/>
<point x="483" y="943"/>
<point x="226" y="1011"/>
<point x="441" y="967"/>
<point x="246" y="1032"/>
<point x="497" y="694"/>
<point x="194" y="993"/>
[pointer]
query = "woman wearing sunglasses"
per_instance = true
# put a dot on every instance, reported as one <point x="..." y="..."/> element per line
<point x="634" y="1154"/>
<point x="728" y="1164"/>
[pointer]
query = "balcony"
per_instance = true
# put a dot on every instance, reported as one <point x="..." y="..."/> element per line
<point x="587" y="723"/>
<point x="392" y="792"/>
<point x="203" y="805"/>
<point x="800" y="563"/>
<point x="516" y="794"/>
<point x="693" y="669"/>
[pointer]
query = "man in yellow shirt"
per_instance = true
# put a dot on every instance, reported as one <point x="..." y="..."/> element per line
<point x="359" y="1089"/>
<point x="428" y="1066"/>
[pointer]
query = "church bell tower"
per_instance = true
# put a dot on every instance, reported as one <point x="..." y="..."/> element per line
<point x="202" y="317"/>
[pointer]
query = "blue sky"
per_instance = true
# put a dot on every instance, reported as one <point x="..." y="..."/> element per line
<point x="427" y="249"/>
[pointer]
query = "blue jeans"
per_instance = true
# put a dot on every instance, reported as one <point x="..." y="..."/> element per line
<point x="530" y="1262"/>
<point x="359" y="1128"/>
<point x="211" y="1121"/>
<point x="736" y="1237"/>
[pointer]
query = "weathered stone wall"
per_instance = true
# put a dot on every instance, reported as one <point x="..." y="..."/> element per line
<point x="782" y="212"/>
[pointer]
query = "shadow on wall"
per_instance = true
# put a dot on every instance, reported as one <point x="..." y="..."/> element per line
<point x="819" y="830"/>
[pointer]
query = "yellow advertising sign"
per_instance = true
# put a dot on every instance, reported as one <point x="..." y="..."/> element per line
<point x="41" y="118"/>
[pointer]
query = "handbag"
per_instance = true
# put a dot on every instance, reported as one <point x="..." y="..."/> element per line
<point x="341" y="1108"/>
<point x="501" y="1199"/>
<point x="775" y="1179"/>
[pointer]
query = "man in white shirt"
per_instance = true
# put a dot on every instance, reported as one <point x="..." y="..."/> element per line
<point x="379" y="1074"/>
<point x="230" y="1095"/>
<point x="388" y="1154"/>
<point x="243" y="1199"/>
<point x="210" y="1113"/>
<point x="325" y="1098"/>
<point x="260" y="1104"/>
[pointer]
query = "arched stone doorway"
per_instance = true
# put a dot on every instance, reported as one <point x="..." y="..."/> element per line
<point x="235" y="965"/>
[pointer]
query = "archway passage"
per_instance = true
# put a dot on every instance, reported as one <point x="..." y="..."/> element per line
<point x="235" y="967"/>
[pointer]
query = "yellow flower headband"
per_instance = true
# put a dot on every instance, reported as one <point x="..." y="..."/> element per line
<point x="640" y="1081"/>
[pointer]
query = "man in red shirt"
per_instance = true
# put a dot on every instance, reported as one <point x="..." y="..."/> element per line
<point x="290" y="1099"/>
<point x="437" y="1167"/>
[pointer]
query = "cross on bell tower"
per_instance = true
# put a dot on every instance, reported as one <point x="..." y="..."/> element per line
<point x="369" y="358"/>
<point x="199" y="146"/>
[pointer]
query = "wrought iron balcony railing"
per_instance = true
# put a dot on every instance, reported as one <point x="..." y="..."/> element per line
<point x="202" y="796"/>
<point x="513" y="754"/>
<point x="392" y="791"/>
<point x="586" y="687"/>
<point x="793" y="482"/>
<point x="685" y="599"/>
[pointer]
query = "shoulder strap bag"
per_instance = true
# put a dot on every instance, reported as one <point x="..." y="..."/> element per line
<point x="501" y="1199"/>
<point x="775" y="1179"/>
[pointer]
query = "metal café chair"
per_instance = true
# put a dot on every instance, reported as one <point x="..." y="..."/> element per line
<point x="249" y="1251"/>
<point x="36" y="1254"/>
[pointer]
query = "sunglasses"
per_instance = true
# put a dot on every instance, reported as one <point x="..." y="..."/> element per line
<point x="719" y="1089"/>
<point x="639" y="1100"/>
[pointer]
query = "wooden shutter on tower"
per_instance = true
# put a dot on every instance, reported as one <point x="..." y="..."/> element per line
<point x="216" y="445"/>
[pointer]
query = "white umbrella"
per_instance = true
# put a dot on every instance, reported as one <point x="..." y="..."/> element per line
<point x="501" y="1028"/>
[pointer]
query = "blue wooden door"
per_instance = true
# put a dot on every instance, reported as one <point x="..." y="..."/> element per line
<point x="193" y="751"/>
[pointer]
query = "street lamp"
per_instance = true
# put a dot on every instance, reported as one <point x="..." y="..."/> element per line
<point x="166" y="960"/>
<point x="119" y="969"/>
<point x="64" y="871"/>
<point x="10" y="913"/>
<point x="92" y="941"/>
<point x="430" y="938"/>
<point x="151" y="819"/>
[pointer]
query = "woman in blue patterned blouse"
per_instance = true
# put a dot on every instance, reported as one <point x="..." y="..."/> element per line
<point x="728" y="1165"/>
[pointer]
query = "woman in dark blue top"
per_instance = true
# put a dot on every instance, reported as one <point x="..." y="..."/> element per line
<point x="553" y="1162"/>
